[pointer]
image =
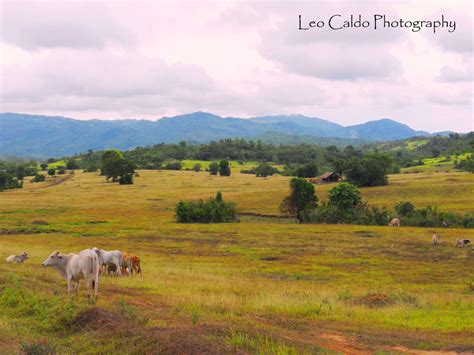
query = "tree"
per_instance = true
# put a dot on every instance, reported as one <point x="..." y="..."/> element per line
<point x="126" y="171"/>
<point x="224" y="168"/>
<point x="197" y="167"/>
<point x="9" y="182"/>
<point x="302" y="200"/>
<point x="344" y="196"/>
<point x="44" y="166"/>
<point x="111" y="162"/>
<point x="307" y="171"/>
<point x="265" y="169"/>
<point x="368" y="171"/>
<point x="213" y="168"/>
<point x="72" y="164"/>
<point x="52" y="172"/>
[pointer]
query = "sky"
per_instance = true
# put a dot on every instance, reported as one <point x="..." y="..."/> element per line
<point x="149" y="59"/>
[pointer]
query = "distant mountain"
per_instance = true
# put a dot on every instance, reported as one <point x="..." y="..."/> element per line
<point x="47" y="136"/>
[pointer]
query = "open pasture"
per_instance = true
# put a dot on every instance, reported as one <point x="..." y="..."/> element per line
<point x="262" y="285"/>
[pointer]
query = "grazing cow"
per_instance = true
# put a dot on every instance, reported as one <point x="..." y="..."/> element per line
<point x="18" y="259"/>
<point x="112" y="269"/>
<point x="462" y="242"/>
<point x="74" y="267"/>
<point x="435" y="239"/>
<point x="107" y="258"/>
<point x="394" y="222"/>
<point x="131" y="263"/>
<point x="444" y="224"/>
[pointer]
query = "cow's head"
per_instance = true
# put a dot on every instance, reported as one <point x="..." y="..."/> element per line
<point x="25" y="255"/>
<point x="54" y="259"/>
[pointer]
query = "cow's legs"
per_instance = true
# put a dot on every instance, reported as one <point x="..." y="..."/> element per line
<point x="69" y="286"/>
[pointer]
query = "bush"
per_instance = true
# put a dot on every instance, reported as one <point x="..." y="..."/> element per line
<point x="405" y="208"/>
<point x="215" y="210"/>
<point x="38" y="178"/>
<point x="302" y="200"/>
<point x="344" y="196"/>
<point x="214" y="168"/>
<point x="197" y="167"/>
<point x="173" y="165"/>
<point x="224" y="168"/>
<point x="265" y="169"/>
<point x="9" y="182"/>
<point x="370" y="170"/>
<point x="52" y="172"/>
<point x="72" y="164"/>
<point x="248" y="171"/>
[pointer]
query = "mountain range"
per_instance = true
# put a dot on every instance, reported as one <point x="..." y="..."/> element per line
<point x="52" y="136"/>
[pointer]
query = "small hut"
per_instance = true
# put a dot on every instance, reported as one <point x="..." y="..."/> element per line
<point x="330" y="176"/>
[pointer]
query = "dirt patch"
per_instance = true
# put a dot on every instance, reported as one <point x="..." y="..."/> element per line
<point x="375" y="300"/>
<point x="270" y="258"/>
<point x="97" y="319"/>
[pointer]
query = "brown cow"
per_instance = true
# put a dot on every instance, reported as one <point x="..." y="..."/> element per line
<point x="394" y="222"/>
<point x="131" y="263"/>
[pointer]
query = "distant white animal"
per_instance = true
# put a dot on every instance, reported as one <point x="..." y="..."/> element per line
<point x="435" y="239"/>
<point x="107" y="258"/>
<point x="394" y="222"/>
<point x="18" y="259"/>
<point x="444" y="224"/>
<point x="462" y="242"/>
<point x="74" y="267"/>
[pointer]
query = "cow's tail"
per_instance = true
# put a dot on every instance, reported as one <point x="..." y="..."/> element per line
<point x="139" y="268"/>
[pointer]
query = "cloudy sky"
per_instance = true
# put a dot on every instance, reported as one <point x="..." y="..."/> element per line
<point x="137" y="59"/>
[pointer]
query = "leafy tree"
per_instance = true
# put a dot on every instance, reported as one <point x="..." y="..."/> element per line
<point x="224" y="168"/>
<point x="52" y="172"/>
<point x="307" y="171"/>
<point x="126" y="171"/>
<point x="265" y="169"/>
<point x="111" y="163"/>
<point x="72" y="164"/>
<point x="61" y="170"/>
<point x="44" y="166"/>
<point x="214" y="168"/>
<point x="173" y="165"/>
<point x="197" y="167"/>
<point x="370" y="170"/>
<point x="38" y="178"/>
<point x="344" y="196"/>
<point x="302" y="200"/>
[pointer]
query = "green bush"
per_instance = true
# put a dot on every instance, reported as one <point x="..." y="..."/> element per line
<point x="214" y="168"/>
<point x="265" y="169"/>
<point x="173" y="165"/>
<point x="197" y="167"/>
<point x="214" y="210"/>
<point x="307" y="171"/>
<point x="224" y="168"/>
<point x="344" y="196"/>
<point x="302" y="200"/>
<point x="9" y="182"/>
<point x="405" y="208"/>
<point x="38" y="178"/>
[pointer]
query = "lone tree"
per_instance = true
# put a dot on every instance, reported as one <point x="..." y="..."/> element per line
<point x="224" y="168"/>
<point x="302" y="200"/>
<point x="344" y="196"/>
<point x="52" y="172"/>
<point x="197" y="167"/>
<point x="44" y="166"/>
<point x="213" y="168"/>
<point x="117" y="168"/>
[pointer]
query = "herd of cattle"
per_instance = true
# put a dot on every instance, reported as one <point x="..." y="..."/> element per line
<point x="87" y="265"/>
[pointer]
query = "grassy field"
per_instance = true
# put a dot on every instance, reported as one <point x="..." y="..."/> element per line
<point x="439" y="164"/>
<point x="263" y="285"/>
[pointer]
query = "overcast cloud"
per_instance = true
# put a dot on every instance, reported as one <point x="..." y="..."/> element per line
<point x="151" y="59"/>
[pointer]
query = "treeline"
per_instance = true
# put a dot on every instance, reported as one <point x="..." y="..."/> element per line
<point x="13" y="172"/>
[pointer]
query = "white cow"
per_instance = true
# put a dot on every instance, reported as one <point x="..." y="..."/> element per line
<point x="107" y="258"/>
<point x="394" y="222"/>
<point x="74" y="267"/>
<point x="17" y="259"/>
<point x="436" y="239"/>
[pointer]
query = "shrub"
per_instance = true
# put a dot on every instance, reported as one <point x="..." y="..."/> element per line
<point x="405" y="208"/>
<point x="38" y="178"/>
<point x="197" y="167"/>
<point x="265" y="169"/>
<point x="52" y="172"/>
<point x="344" y="196"/>
<point x="302" y="200"/>
<point x="224" y="168"/>
<point x="173" y="165"/>
<point x="44" y="166"/>
<point x="214" y="168"/>
<point x="215" y="210"/>
<point x="9" y="182"/>
<point x="72" y="164"/>
<point x="248" y="171"/>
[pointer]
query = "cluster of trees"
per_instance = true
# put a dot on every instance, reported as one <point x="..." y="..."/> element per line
<point x="13" y="172"/>
<point x="214" y="210"/>
<point x="222" y="168"/>
<point x="345" y="205"/>
<point x="465" y="164"/>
